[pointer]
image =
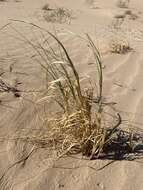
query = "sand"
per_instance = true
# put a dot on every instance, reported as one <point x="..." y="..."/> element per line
<point x="122" y="84"/>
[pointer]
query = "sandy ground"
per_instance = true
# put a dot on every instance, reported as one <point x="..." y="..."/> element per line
<point x="122" y="84"/>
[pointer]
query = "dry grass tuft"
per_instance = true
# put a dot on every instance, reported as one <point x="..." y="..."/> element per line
<point x="78" y="128"/>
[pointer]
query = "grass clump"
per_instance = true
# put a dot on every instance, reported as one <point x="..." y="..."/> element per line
<point x="75" y="130"/>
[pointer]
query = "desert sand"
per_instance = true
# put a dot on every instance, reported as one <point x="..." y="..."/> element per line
<point x="122" y="84"/>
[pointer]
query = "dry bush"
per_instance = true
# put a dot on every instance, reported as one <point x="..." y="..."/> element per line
<point x="57" y="15"/>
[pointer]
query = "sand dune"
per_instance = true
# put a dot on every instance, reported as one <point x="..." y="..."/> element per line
<point x="122" y="84"/>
